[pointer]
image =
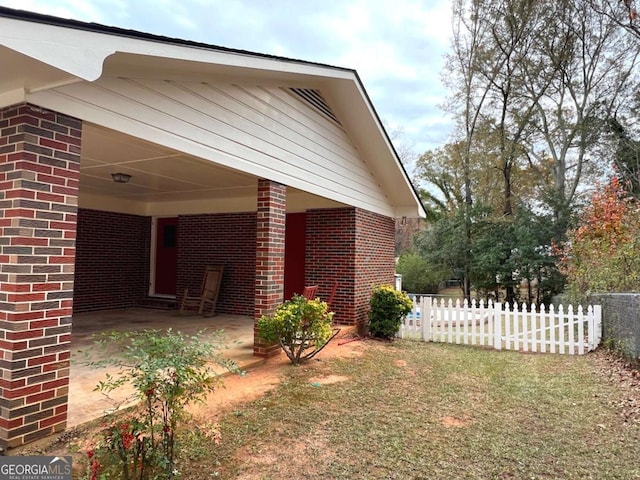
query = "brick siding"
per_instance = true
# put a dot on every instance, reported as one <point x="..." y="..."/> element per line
<point x="375" y="260"/>
<point x="112" y="260"/>
<point x="330" y="256"/>
<point x="39" y="175"/>
<point x="227" y="239"/>
<point x="355" y="248"/>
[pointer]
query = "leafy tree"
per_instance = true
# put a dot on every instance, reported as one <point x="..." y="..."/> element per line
<point x="505" y="252"/>
<point x="440" y="173"/>
<point x="418" y="276"/>
<point x="601" y="254"/>
<point x="542" y="79"/>
<point x="446" y="247"/>
<point x="593" y="77"/>
<point x="492" y="265"/>
<point x="440" y="177"/>
<point x="534" y="260"/>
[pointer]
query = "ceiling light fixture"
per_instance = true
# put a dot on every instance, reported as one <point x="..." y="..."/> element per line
<point x="121" y="177"/>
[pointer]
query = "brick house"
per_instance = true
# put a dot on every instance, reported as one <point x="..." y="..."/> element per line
<point x="278" y="169"/>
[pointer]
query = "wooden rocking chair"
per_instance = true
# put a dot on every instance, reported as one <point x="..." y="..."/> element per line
<point x="332" y="294"/>
<point x="208" y="294"/>
<point x="309" y="292"/>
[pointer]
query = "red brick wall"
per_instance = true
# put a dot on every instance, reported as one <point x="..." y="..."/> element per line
<point x="354" y="247"/>
<point x="375" y="261"/>
<point x="330" y="256"/>
<point x="39" y="174"/>
<point x="219" y="239"/>
<point x="112" y="260"/>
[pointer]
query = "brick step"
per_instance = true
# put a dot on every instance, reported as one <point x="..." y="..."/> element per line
<point x="158" y="303"/>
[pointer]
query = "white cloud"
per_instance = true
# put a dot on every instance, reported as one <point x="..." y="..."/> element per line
<point x="98" y="11"/>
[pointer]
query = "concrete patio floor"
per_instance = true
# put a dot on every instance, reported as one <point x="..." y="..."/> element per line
<point x="86" y="404"/>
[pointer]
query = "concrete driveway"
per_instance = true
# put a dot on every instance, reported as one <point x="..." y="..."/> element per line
<point x="86" y="404"/>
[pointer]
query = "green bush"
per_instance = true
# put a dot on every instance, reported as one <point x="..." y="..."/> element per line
<point x="417" y="275"/>
<point x="301" y="327"/>
<point x="388" y="307"/>
<point x="168" y="371"/>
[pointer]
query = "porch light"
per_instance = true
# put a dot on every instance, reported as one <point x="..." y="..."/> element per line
<point x="121" y="177"/>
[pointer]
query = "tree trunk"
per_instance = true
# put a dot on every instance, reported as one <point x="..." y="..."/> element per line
<point x="506" y="172"/>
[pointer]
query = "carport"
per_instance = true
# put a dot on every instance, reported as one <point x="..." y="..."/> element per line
<point x="277" y="169"/>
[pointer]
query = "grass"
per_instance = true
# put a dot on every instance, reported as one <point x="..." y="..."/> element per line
<point x="414" y="410"/>
<point x="432" y="411"/>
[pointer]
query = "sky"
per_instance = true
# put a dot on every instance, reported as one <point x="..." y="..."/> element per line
<point x="396" y="46"/>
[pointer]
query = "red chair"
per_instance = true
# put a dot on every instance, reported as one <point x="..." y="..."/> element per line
<point x="332" y="294"/>
<point x="310" y="292"/>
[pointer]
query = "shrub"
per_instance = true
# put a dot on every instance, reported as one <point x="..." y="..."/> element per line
<point x="168" y="370"/>
<point x="388" y="307"/>
<point x="417" y="274"/>
<point x="601" y="255"/>
<point x="300" y="326"/>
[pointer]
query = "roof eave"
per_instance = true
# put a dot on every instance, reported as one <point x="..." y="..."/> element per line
<point x="77" y="51"/>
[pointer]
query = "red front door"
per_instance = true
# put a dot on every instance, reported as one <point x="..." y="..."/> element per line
<point x="166" y="256"/>
<point x="294" y="253"/>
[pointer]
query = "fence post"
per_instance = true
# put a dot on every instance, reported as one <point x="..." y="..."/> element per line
<point x="581" y="330"/>
<point x="497" y="326"/>
<point x="597" y="321"/>
<point x="425" y="318"/>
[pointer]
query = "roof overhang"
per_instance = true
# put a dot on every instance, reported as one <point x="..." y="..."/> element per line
<point x="47" y="52"/>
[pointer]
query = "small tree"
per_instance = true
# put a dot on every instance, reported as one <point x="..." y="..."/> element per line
<point x="300" y="326"/>
<point x="417" y="275"/>
<point x="168" y="370"/>
<point x="388" y="307"/>
<point x="602" y="253"/>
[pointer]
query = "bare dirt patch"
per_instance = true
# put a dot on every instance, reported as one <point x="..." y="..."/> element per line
<point x="456" y="422"/>
<point x="266" y="376"/>
<point x="328" y="379"/>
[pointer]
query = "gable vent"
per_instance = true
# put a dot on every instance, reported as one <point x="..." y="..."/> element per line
<point x="314" y="98"/>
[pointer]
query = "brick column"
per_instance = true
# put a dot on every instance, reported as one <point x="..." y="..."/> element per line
<point x="39" y="174"/>
<point x="269" y="257"/>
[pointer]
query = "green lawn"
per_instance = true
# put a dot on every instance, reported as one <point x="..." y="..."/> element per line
<point x="433" y="411"/>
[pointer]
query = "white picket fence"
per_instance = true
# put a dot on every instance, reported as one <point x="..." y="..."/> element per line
<point x="547" y="329"/>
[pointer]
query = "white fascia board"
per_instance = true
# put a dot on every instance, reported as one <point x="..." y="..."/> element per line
<point x="82" y="53"/>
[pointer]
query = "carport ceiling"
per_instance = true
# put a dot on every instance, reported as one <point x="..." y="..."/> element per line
<point x="158" y="174"/>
